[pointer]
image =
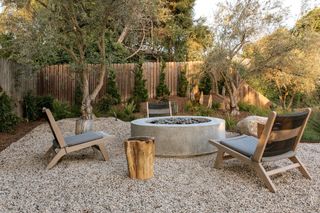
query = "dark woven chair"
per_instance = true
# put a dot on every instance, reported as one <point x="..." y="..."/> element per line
<point x="279" y="140"/>
<point x="63" y="145"/>
<point x="159" y="109"/>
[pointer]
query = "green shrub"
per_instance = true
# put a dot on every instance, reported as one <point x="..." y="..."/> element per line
<point x="105" y="103"/>
<point x="188" y="107"/>
<point x="205" y="84"/>
<point x="162" y="89"/>
<point x="124" y="114"/>
<point x="30" y="110"/>
<point x="45" y="101"/>
<point x="231" y="123"/>
<point x="215" y="105"/>
<point x="129" y="108"/>
<point x="61" y="110"/>
<point x="32" y="105"/>
<point x="182" y="83"/>
<point x="312" y="131"/>
<point x="8" y="120"/>
<point x="197" y="109"/>
<point x="140" y="92"/>
<point x="112" y="88"/>
<point x="245" y="107"/>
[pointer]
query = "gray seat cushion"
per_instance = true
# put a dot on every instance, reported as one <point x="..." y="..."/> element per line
<point x="246" y="145"/>
<point x="79" y="139"/>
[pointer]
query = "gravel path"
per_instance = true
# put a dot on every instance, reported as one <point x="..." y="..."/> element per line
<point x="81" y="182"/>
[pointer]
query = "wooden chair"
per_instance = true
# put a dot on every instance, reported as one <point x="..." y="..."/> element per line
<point x="279" y="140"/>
<point x="159" y="109"/>
<point x="63" y="145"/>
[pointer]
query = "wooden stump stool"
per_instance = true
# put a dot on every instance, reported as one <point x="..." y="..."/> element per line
<point x="140" y="152"/>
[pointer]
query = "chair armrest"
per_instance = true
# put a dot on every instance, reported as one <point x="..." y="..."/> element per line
<point x="260" y="128"/>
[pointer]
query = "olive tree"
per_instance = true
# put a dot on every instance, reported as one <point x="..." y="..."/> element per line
<point x="78" y="28"/>
<point x="291" y="63"/>
<point x="237" y="23"/>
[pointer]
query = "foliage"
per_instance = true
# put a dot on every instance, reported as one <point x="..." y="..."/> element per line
<point x="86" y="31"/>
<point x="231" y="123"/>
<point x="78" y="94"/>
<point x="105" y="103"/>
<point x="162" y="89"/>
<point x="263" y="86"/>
<point x="140" y="92"/>
<point x="205" y="84"/>
<point x="201" y="110"/>
<point x="61" y="110"/>
<point x="216" y="105"/>
<point x="182" y="83"/>
<point x="129" y="108"/>
<point x="308" y="23"/>
<point x="197" y="109"/>
<point x="32" y="105"/>
<point x="124" y="114"/>
<point x="255" y="110"/>
<point x="312" y="131"/>
<point x="237" y="23"/>
<point x="188" y="106"/>
<point x="112" y="88"/>
<point x="8" y="120"/>
<point x="177" y="37"/>
<point x="288" y="62"/>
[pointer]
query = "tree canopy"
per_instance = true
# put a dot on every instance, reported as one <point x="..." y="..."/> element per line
<point x="176" y="36"/>
<point x="236" y="24"/>
<point x="87" y="31"/>
<point x="289" y="62"/>
<point x="308" y="23"/>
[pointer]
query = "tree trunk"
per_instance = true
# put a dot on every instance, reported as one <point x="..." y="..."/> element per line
<point x="83" y="125"/>
<point x="140" y="152"/>
<point x="233" y="95"/>
<point x="234" y="105"/>
<point x="290" y="102"/>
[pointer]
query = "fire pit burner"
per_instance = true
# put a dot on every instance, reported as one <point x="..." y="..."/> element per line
<point x="180" y="120"/>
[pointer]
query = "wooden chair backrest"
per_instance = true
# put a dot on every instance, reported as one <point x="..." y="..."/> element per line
<point x="54" y="128"/>
<point x="159" y="109"/>
<point x="282" y="134"/>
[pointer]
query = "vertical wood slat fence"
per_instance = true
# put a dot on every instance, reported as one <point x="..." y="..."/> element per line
<point x="59" y="81"/>
<point x="16" y="80"/>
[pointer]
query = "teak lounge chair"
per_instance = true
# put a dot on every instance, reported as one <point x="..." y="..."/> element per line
<point x="278" y="140"/>
<point x="69" y="144"/>
<point x="159" y="109"/>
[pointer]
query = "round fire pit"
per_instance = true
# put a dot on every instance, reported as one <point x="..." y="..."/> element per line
<point x="180" y="136"/>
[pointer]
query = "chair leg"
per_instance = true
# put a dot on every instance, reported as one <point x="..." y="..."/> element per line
<point x="302" y="168"/>
<point x="103" y="151"/>
<point x="219" y="160"/>
<point x="263" y="175"/>
<point x="56" y="158"/>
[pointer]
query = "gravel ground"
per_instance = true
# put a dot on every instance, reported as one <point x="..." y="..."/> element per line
<point x="81" y="182"/>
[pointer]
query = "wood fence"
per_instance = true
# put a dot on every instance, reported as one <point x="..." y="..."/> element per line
<point x="15" y="80"/>
<point x="59" y="80"/>
<point x="249" y="95"/>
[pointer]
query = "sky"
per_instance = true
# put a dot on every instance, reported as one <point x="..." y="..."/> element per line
<point x="205" y="8"/>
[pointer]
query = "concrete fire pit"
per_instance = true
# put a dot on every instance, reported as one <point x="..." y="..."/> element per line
<point x="180" y="136"/>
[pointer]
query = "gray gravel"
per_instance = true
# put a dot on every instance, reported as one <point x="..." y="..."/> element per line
<point x="81" y="182"/>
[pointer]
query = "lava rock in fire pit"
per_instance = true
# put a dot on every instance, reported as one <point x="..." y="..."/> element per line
<point x="180" y="121"/>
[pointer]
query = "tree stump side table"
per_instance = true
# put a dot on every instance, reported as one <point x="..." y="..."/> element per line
<point x="140" y="153"/>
